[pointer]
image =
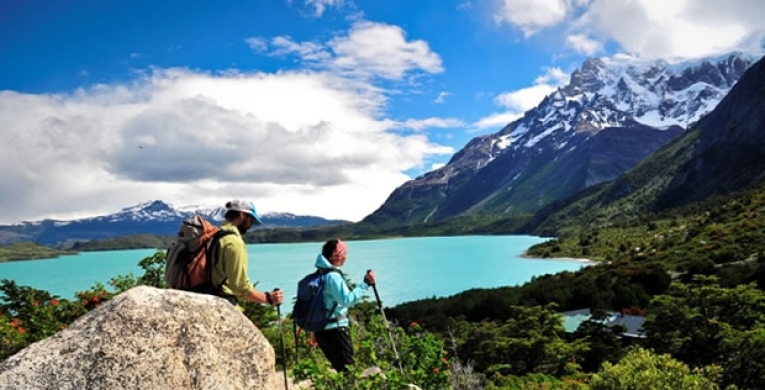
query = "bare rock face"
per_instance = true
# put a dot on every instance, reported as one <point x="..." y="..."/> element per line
<point x="148" y="338"/>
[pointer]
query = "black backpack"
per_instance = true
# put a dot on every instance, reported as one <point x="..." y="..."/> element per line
<point x="309" y="312"/>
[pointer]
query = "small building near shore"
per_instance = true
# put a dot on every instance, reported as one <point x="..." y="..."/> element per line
<point x="632" y="324"/>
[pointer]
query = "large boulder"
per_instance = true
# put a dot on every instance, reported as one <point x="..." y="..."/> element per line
<point x="148" y="338"/>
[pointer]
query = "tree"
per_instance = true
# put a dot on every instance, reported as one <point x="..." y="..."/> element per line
<point x="644" y="370"/>
<point x="703" y="323"/>
<point x="531" y="341"/>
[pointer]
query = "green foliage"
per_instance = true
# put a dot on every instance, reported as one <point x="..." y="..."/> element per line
<point x="644" y="370"/>
<point x="703" y="324"/>
<point x="530" y="341"/>
<point x="423" y="359"/>
<point x="538" y="382"/>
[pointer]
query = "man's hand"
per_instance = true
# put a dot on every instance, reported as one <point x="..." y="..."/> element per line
<point x="277" y="296"/>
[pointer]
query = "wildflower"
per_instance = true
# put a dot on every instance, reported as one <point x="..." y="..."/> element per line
<point x="15" y="322"/>
<point x="54" y="302"/>
<point x="22" y="330"/>
<point x="436" y="370"/>
<point x="413" y="324"/>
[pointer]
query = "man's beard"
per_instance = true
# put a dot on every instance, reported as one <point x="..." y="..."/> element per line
<point x="241" y="229"/>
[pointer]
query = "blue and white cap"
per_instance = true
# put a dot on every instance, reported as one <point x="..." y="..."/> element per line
<point x="246" y="206"/>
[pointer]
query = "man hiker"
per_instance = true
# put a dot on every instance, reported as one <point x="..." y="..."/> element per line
<point x="230" y="271"/>
<point x="335" y="339"/>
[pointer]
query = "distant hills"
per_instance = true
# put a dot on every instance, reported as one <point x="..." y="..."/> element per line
<point x="150" y="218"/>
<point x="613" y="114"/>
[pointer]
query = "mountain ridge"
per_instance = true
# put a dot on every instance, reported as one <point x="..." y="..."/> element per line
<point x="154" y="217"/>
<point x="511" y="171"/>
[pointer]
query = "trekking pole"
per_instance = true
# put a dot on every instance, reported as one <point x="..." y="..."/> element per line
<point x="387" y="325"/>
<point x="281" y="341"/>
<point x="296" y="334"/>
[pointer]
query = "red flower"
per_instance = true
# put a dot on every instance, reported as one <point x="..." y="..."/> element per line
<point x="436" y="370"/>
<point x="413" y="324"/>
<point x="15" y="322"/>
<point x="22" y="330"/>
<point x="54" y="302"/>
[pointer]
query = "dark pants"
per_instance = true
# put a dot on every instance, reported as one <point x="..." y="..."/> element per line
<point x="337" y="347"/>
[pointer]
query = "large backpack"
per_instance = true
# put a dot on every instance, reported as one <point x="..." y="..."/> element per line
<point x="191" y="258"/>
<point x="309" y="312"/>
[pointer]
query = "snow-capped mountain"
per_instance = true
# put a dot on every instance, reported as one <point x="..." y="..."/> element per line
<point x="613" y="113"/>
<point x="153" y="217"/>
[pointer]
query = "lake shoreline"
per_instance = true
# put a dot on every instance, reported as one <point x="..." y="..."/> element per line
<point x="525" y="255"/>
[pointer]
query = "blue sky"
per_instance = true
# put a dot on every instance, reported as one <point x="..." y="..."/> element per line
<point x="318" y="107"/>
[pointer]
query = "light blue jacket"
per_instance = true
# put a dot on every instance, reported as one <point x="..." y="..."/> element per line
<point x="336" y="291"/>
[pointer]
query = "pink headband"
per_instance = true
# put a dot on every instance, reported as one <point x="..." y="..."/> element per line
<point x="340" y="250"/>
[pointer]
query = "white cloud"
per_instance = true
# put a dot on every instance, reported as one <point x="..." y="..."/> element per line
<point x="496" y="120"/>
<point x="257" y="44"/>
<point x="382" y="49"/>
<point x="648" y="28"/>
<point x="519" y="101"/>
<point x="679" y="28"/>
<point x="421" y="124"/>
<point x="583" y="44"/>
<point x="464" y="6"/>
<point x="524" y="99"/>
<point x="532" y="16"/>
<point x="435" y="166"/>
<point x="441" y="98"/>
<point x="293" y="141"/>
<point x="307" y="51"/>
<point x="319" y="6"/>
<point x="369" y="50"/>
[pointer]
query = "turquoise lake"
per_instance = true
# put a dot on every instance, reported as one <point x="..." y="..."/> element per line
<point x="407" y="269"/>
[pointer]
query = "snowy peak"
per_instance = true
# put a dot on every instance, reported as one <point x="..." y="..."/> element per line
<point x="613" y="113"/>
<point x="153" y="217"/>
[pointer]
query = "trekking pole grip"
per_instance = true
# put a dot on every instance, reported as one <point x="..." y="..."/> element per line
<point x="277" y="289"/>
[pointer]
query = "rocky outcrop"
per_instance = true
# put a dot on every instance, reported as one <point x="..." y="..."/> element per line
<point x="148" y="338"/>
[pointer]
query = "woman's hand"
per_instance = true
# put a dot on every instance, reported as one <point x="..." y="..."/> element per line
<point x="369" y="278"/>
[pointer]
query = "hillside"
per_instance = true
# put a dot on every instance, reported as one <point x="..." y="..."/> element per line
<point x="718" y="156"/>
<point x="28" y="251"/>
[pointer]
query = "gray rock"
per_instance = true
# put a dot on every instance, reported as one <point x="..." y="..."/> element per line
<point x="148" y="338"/>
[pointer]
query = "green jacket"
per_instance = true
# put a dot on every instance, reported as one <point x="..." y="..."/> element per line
<point x="231" y="264"/>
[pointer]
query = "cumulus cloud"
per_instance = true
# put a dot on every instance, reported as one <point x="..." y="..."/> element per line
<point x="382" y="49"/>
<point x="532" y="16"/>
<point x="583" y="44"/>
<point x="368" y="50"/>
<point x="648" y="28"/>
<point x="519" y="101"/>
<point x="291" y="141"/>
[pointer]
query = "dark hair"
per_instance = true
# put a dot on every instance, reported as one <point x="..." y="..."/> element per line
<point x="232" y="215"/>
<point x="329" y="248"/>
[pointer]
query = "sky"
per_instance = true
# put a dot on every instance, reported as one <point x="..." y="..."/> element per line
<point x="313" y="107"/>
